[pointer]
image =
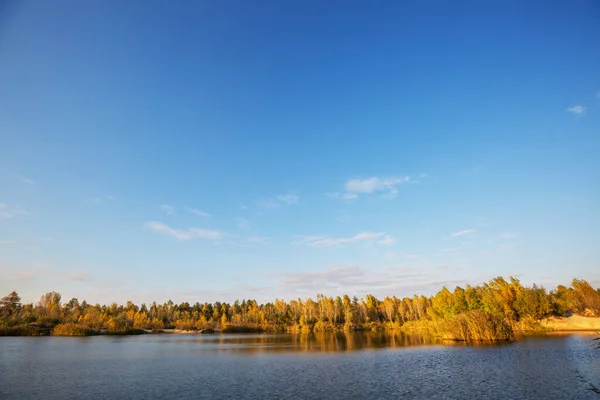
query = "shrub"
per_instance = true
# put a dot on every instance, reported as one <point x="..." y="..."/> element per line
<point x="71" y="329"/>
<point x="474" y="325"/>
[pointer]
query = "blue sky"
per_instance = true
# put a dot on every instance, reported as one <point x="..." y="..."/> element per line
<point x="202" y="151"/>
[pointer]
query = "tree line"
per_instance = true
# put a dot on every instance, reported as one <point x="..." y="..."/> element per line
<point x="491" y="311"/>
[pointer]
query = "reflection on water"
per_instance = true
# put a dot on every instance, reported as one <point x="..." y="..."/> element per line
<point x="326" y="342"/>
<point x="319" y="342"/>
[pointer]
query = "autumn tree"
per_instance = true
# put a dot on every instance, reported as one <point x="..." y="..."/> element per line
<point x="10" y="304"/>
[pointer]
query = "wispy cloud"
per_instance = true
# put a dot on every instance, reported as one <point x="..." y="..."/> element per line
<point x="288" y="199"/>
<point x="387" y="240"/>
<point x="101" y="199"/>
<point x="7" y="211"/>
<point x="321" y="241"/>
<point x="450" y="249"/>
<point x="463" y="233"/>
<point x="268" y="203"/>
<point x="386" y="186"/>
<point x="184" y="234"/>
<point x="22" y="179"/>
<point x="242" y="223"/>
<point x="170" y="210"/>
<point x="197" y="212"/>
<point x="508" y="235"/>
<point x="258" y="239"/>
<point x="26" y="273"/>
<point x="577" y="110"/>
<point x="342" y="196"/>
<point x="18" y="276"/>
<point x="26" y="180"/>
<point x="375" y="184"/>
<point x="342" y="216"/>
<point x="278" y="201"/>
<point x="79" y="276"/>
<point x="351" y="279"/>
<point x="6" y="242"/>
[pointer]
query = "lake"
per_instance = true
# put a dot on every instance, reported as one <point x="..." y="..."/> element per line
<point x="328" y="366"/>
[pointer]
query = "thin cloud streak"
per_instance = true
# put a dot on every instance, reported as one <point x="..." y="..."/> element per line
<point x="402" y="280"/>
<point x="197" y="212"/>
<point x="387" y="241"/>
<point x="462" y="233"/>
<point x="184" y="234"/>
<point x="320" y="241"/>
<point x="278" y="201"/>
<point x="288" y="199"/>
<point x="102" y="199"/>
<point x="168" y="209"/>
<point x="258" y="239"/>
<point x="7" y="211"/>
<point x="342" y="196"/>
<point x="27" y="180"/>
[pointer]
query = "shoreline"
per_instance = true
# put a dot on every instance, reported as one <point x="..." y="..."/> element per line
<point x="519" y="334"/>
<point x="553" y="325"/>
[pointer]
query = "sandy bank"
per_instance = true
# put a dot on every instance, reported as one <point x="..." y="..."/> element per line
<point x="190" y="332"/>
<point x="573" y="323"/>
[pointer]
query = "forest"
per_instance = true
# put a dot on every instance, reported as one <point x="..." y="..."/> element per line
<point x="495" y="310"/>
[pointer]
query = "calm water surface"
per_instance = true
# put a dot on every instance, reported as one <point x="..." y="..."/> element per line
<point x="356" y="366"/>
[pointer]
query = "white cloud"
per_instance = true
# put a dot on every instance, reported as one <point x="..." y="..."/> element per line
<point x="320" y="241"/>
<point x="278" y="201"/>
<point x="168" y="209"/>
<point x="577" y="110"/>
<point x="184" y="234"/>
<point x="288" y="199"/>
<point x="7" y="211"/>
<point x="197" y="212"/>
<point x="343" y="196"/>
<point x="462" y="233"/>
<point x="374" y="184"/>
<point x="387" y="240"/>
<point x="386" y="186"/>
<point x="6" y="242"/>
<point x="508" y="235"/>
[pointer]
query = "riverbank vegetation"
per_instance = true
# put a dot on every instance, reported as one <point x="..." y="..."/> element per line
<point x="492" y="311"/>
